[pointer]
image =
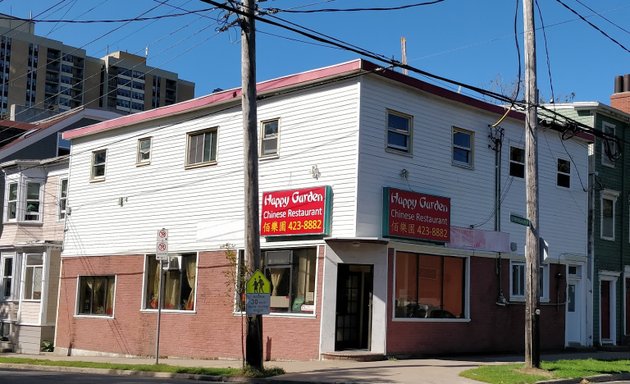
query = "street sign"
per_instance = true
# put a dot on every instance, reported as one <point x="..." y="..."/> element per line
<point x="257" y="304"/>
<point x="257" y="294"/>
<point x="518" y="219"/>
<point x="161" y="245"/>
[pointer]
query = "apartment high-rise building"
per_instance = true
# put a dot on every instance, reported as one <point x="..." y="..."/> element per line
<point x="38" y="73"/>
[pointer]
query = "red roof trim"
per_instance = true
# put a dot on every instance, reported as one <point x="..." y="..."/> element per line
<point x="214" y="99"/>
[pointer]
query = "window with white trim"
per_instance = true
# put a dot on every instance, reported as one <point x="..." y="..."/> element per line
<point x="33" y="276"/>
<point x="6" y="274"/>
<point x="62" y="201"/>
<point x="144" y="151"/>
<point x="291" y="273"/>
<point x="269" y="138"/>
<point x="563" y="177"/>
<point x="99" y="159"/>
<point x="23" y="201"/>
<point x="11" y="207"/>
<point x="202" y="147"/>
<point x="517" y="162"/>
<point x="180" y="282"/>
<point x="463" y="147"/>
<point x="33" y="202"/>
<point x="517" y="281"/>
<point x="399" y="131"/>
<point x="96" y="295"/>
<point x="607" y="214"/>
<point x="610" y="149"/>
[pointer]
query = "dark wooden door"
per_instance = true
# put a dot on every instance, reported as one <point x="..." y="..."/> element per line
<point x="354" y="306"/>
<point x="604" y="297"/>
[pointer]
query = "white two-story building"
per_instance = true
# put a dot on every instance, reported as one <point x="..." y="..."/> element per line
<point x="379" y="194"/>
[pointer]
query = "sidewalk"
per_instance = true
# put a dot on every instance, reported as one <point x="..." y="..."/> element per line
<point x="429" y="371"/>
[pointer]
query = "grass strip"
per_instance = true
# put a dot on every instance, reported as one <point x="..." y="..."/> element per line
<point x="145" y="367"/>
<point x="561" y="369"/>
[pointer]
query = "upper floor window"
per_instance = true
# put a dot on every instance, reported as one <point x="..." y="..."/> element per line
<point x="399" y="130"/>
<point x="63" y="199"/>
<point x="144" y="151"/>
<point x="32" y="211"/>
<point x="202" y="147"/>
<point x="98" y="164"/>
<point x="517" y="162"/>
<point x="33" y="273"/>
<point x="23" y="201"/>
<point x="12" y="201"/>
<point x="517" y="281"/>
<point x="607" y="219"/>
<point x="463" y="147"/>
<point x="610" y="149"/>
<point x="563" y="178"/>
<point x="269" y="138"/>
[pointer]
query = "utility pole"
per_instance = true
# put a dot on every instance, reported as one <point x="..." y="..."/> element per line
<point x="532" y="241"/>
<point x="253" y="341"/>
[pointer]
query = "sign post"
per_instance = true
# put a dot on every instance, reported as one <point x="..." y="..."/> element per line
<point x="161" y="254"/>
<point x="257" y="294"/>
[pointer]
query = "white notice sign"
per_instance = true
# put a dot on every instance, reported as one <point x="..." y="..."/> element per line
<point x="161" y="245"/>
<point x="257" y="303"/>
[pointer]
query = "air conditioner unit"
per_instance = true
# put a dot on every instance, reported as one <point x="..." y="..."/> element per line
<point x="173" y="263"/>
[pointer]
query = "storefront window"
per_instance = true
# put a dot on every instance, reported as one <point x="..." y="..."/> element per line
<point x="429" y="286"/>
<point x="292" y="276"/>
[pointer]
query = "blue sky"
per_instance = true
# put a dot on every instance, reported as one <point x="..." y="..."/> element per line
<point x="468" y="41"/>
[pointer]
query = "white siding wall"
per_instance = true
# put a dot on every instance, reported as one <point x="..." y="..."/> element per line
<point x="203" y="207"/>
<point x="29" y="312"/>
<point x="563" y="212"/>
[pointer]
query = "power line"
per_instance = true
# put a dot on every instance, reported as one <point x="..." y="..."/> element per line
<point x="593" y="25"/>
<point x="397" y="8"/>
<point x="602" y="16"/>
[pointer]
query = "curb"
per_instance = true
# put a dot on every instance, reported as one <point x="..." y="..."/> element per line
<point x="589" y="379"/>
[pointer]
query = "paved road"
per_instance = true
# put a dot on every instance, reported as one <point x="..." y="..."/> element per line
<point x="19" y="376"/>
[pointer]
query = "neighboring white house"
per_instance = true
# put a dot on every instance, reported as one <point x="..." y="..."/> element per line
<point x="30" y="248"/>
<point x="378" y="202"/>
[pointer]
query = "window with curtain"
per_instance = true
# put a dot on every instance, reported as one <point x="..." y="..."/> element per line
<point x="96" y="295"/>
<point x="429" y="286"/>
<point x="517" y="281"/>
<point x="7" y="276"/>
<point x="291" y="273"/>
<point x="180" y="280"/>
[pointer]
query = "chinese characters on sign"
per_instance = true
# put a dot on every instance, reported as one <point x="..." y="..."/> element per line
<point x="417" y="216"/>
<point x="296" y="212"/>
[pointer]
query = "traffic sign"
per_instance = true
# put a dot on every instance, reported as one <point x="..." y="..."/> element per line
<point x="161" y="245"/>
<point x="258" y="283"/>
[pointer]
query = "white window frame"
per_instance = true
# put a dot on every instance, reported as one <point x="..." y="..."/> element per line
<point x="4" y="276"/>
<point x="33" y="267"/>
<point x="94" y="165"/>
<point x="78" y="312"/>
<point x="16" y="201"/>
<point x="543" y="276"/>
<point x="408" y="150"/>
<point x="145" y="284"/>
<point x="612" y="196"/>
<point x="213" y="159"/>
<point x="140" y="158"/>
<point x="40" y="202"/>
<point x="62" y="200"/>
<point x="456" y="147"/>
<point x="561" y="173"/>
<point x="264" y="138"/>
<point x="516" y="162"/>
<point x="608" y="129"/>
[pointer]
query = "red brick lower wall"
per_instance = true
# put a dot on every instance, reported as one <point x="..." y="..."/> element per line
<point x="212" y="331"/>
<point x="491" y="328"/>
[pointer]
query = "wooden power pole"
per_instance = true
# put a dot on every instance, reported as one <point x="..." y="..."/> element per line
<point x="253" y="342"/>
<point x="532" y="241"/>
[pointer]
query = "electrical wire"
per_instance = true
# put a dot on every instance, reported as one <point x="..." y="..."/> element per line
<point x="593" y="26"/>
<point x="106" y="21"/>
<point x="327" y="10"/>
<point x="602" y="16"/>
